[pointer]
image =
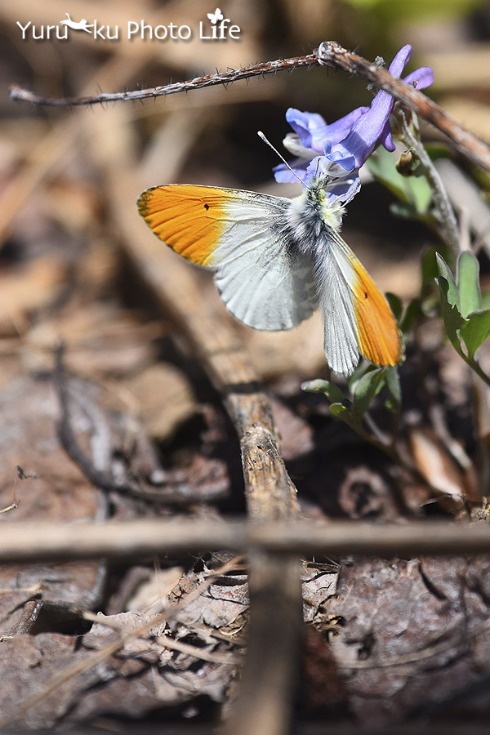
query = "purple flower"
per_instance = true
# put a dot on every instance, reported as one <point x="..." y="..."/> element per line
<point x="349" y="141"/>
<point x="374" y="125"/>
<point x="311" y="133"/>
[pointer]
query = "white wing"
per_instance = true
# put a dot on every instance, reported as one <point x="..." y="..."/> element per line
<point x="262" y="276"/>
<point x="336" y="283"/>
<point x="358" y="319"/>
<point x="264" y="283"/>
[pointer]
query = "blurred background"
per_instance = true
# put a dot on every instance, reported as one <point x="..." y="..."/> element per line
<point x="69" y="178"/>
<point x="79" y="265"/>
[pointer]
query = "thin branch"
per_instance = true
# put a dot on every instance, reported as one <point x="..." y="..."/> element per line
<point x="329" y="54"/>
<point x="103" y="480"/>
<point x="269" y="492"/>
<point x="147" y="538"/>
<point x="20" y="94"/>
<point x="166" y="641"/>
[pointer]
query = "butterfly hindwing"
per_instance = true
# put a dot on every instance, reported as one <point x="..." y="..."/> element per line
<point x="340" y="330"/>
<point x="262" y="282"/>
<point x="364" y="322"/>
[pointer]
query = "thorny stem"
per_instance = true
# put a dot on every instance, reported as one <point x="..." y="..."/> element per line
<point x="446" y="219"/>
<point x="329" y="54"/>
<point x="206" y="80"/>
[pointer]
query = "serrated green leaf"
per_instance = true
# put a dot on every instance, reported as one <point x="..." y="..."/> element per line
<point x="329" y="389"/>
<point x="451" y="292"/>
<point x="366" y="389"/>
<point x="338" y="409"/>
<point x="453" y="321"/>
<point x="468" y="283"/>
<point x="476" y="330"/>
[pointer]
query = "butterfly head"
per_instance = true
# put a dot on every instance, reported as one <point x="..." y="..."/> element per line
<point x="329" y="207"/>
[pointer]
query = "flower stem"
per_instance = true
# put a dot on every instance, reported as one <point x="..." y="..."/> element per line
<point x="448" y="224"/>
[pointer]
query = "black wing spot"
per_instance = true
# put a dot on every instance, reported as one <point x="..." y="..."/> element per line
<point x="365" y="294"/>
<point x="206" y="206"/>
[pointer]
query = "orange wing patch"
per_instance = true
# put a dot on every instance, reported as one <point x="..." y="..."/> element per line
<point x="190" y="219"/>
<point x="379" y="336"/>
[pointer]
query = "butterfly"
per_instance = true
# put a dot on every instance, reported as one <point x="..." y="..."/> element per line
<point x="276" y="260"/>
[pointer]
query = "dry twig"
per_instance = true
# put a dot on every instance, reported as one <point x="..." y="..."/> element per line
<point x="270" y="494"/>
<point x="147" y="538"/>
<point x="329" y="54"/>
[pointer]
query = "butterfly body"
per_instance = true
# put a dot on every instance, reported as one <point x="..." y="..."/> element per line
<point x="276" y="260"/>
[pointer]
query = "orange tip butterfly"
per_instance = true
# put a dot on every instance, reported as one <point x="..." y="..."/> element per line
<point x="276" y="260"/>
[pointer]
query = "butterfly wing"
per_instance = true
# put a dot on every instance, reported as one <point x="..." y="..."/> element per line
<point x="358" y="319"/>
<point x="263" y="282"/>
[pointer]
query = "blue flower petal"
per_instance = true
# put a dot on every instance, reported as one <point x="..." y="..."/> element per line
<point x="421" y="78"/>
<point x="373" y="126"/>
<point x="308" y="126"/>
<point x="400" y="61"/>
<point x="348" y="142"/>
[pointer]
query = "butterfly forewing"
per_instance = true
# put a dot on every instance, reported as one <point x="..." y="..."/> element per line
<point x="190" y="219"/>
<point x="274" y="261"/>
<point x="261" y="280"/>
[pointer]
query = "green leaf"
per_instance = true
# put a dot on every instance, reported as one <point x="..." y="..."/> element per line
<point x="344" y="414"/>
<point x="438" y="150"/>
<point x="429" y="266"/>
<point x="366" y="389"/>
<point x="413" y="313"/>
<point x="329" y="389"/>
<point x="468" y="283"/>
<point x="476" y="330"/>
<point x="453" y="320"/>
<point x="403" y="211"/>
<point x="393" y="403"/>
<point x="451" y="292"/>
<point x="414" y="192"/>
<point x="338" y="410"/>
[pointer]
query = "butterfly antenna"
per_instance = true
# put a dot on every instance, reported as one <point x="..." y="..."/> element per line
<point x="266" y="140"/>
